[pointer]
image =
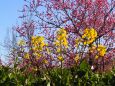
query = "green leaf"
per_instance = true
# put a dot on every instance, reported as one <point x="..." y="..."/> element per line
<point x="84" y="65"/>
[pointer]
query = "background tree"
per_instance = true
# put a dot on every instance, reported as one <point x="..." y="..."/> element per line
<point x="75" y="16"/>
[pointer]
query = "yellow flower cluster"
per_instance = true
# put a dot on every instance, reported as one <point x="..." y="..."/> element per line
<point x="101" y="50"/>
<point x="37" y="45"/>
<point x="38" y="42"/>
<point x="89" y="35"/>
<point x="61" y="41"/>
<point x="61" y="38"/>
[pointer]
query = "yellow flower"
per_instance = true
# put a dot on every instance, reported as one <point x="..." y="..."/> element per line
<point x="93" y="33"/>
<point x="21" y="42"/>
<point x="76" y="58"/>
<point x="57" y="43"/>
<point x="89" y="35"/>
<point x="37" y="55"/>
<point x="35" y="48"/>
<point x="61" y="41"/>
<point x="26" y="56"/>
<point x="37" y="39"/>
<point x="58" y="50"/>
<point x="61" y="34"/>
<point x="42" y="44"/>
<point x="60" y="58"/>
<point x="102" y="50"/>
<point x="65" y="43"/>
<point x="96" y="57"/>
<point x="61" y="38"/>
<point x="45" y="61"/>
<point x="77" y="41"/>
<point x="38" y="42"/>
<point x="41" y="38"/>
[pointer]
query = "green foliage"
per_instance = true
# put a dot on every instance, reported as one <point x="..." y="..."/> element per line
<point x="80" y="75"/>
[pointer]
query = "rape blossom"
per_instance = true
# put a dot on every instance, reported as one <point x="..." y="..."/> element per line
<point x="61" y="38"/>
<point x="89" y="35"/>
<point x="100" y="49"/>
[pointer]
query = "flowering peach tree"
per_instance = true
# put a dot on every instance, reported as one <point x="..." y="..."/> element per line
<point x="66" y="32"/>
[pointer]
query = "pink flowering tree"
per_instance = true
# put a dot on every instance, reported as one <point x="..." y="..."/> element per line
<point x="45" y="17"/>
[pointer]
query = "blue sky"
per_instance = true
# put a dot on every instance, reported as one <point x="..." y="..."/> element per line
<point x="9" y="12"/>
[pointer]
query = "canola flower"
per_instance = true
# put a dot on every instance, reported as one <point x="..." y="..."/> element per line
<point x="61" y="41"/>
<point x="26" y="56"/>
<point x="77" y="42"/>
<point x="45" y="61"/>
<point x="60" y="58"/>
<point x="76" y="58"/>
<point x="37" y="45"/>
<point x="38" y="42"/>
<point x="89" y="35"/>
<point x="101" y="50"/>
<point x="61" y="38"/>
<point x="38" y="55"/>
<point x="96" y="57"/>
<point x="58" y="50"/>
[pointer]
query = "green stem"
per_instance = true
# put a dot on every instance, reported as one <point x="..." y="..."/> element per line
<point x="61" y="62"/>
